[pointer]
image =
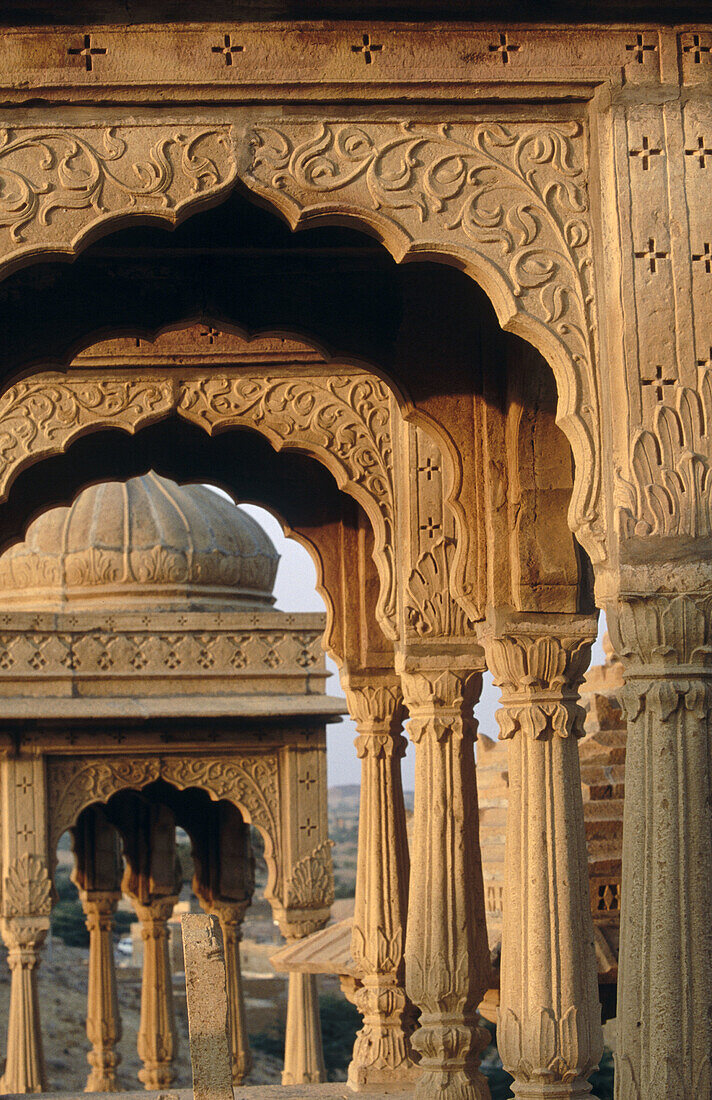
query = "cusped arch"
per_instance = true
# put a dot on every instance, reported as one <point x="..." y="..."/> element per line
<point x="340" y="413"/>
<point x="250" y="783"/>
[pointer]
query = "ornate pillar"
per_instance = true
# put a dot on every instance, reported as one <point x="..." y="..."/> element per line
<point x="103" y="1019"/>
<point x="26" y="907"/>
<point x="549" y="1034"/>
<point x="664" y="1045"/>
<point x="157" y="1038"/>
<point x="382" y="1052"/>
<point x="447" y="957"/>
<point x="231" y="918"/>
<point x="303" y="1052"/>
<point x="152" y="880"/>
<point x="97" y="874"/>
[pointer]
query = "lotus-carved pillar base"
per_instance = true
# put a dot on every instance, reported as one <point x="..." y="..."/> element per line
<point x="549" y="1033"/>
<point x="664" y="1047"/>
<point x="103" y="1019"/>
<point x="382" y="1052"/>
<point x="447" y="957"/>
<point x="25" y="1065"/>
<point x="157" y="1037"/>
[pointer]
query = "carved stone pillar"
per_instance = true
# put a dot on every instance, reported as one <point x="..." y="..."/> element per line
<point x="549" y="1034"/>
<point x="382" y="1052"/>
<point x="447" y="957"/>
<point x="25" y="1065"/>
<point x="103" y="1019"/>
<point x="664" y="1047"/>
<point x="231" y="918"/>
<point x="97" y="874"/>
<point x="157" y="1037"/>
<point x="303" y="1052"/>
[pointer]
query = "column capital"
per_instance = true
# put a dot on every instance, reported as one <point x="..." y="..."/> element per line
<point x="440" y="701"/>
<point x="538" y="664"/>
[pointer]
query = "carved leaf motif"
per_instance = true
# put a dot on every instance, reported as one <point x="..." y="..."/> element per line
<point x="670" y="487"/>
<point x="430" y="609"/>
<point x="311" y="885"/>
<point x="27" y="890"/>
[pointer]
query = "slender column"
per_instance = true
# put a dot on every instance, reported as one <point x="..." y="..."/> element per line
<point x="231" y="918"/>
<point x="103" y="1019"/>
<point x="25" y="1065"/>
<point x="549" y="1033"/>
<point x="664" y="1047"/>
<point x="382" y="1052"/>
<point x="447" y="957"/>
<point x="303" y="1052"/>
<point x="157" y="1036"/>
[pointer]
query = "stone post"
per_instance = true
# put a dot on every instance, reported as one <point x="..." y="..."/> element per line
<point x="103" y="1019"/>
<point x="382" y="1053"/>
<point x="447" y="957"/>
<point x="303" y="1052"/>
<point x="231" y="918"/>
<point x="664" y="1044"/>
<point x="208" y="1007"/>
<point x="549" y="1034"/>
<point x="157" y="1038"/>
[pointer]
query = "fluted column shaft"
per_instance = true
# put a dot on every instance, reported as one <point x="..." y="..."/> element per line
<point x="231" y="918"/>
<point x="549" y="1033"/>
<point x="382" y="1051"/>
<point x="303" y="1051"/>
<point x="664" y="1046"/>
<point x="25" y="1069"/>
<point x="157" y="1036"/>
<point x="103" y="1018"/>
<point x="447" y="957"/>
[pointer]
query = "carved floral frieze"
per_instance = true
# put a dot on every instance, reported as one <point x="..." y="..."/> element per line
<point x="60" y="180"/>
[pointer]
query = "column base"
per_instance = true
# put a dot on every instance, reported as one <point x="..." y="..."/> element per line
<point x="553" y="1090"/>
<point x="458" y="1085"/>
<point x="372" y="1080"/>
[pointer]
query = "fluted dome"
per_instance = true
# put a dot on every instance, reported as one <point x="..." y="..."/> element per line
<point x="142" y="543"/>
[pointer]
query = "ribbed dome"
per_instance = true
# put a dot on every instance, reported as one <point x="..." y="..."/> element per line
<point x="145" y="542"/>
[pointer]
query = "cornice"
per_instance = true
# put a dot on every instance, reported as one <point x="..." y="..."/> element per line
<point x="367" y="60"/>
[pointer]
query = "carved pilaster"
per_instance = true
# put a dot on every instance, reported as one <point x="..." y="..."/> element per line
<point x="103" y="1019"/>
<point x="664" y="1045"/>
<point x="382" y="1052"/>
<point x="549" y="1034"/>
<point x="447" y="958"/>
<point x="157" y="1036"/>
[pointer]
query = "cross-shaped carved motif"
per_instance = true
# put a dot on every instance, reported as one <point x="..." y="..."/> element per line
<point x="87" y="51"/>
<point x="645" y="152"/>
<point x="706" y="362"/>
<point x="701" y="152"/>
<point x="504" y="48"/>
<point x="25" y="784"/>
<point x="704" y="257"/>
<point x="308" y="781"/>
<point x="430" y="527"/>
<point x="25" y="832"/>
<point x="429" y="468"/>
<point x="367" y="48"/>
<point x="696" y="49"/>
<point x="228" y="49"/>
<point x="639" y="48"/>
<point x="652" y="254"/>
<point x="658" y="382"/>
<point x="210" y="334"/>
<point x="308" y="827"/>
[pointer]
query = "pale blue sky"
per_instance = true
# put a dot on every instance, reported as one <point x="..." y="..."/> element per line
<point x="295" y="591"/>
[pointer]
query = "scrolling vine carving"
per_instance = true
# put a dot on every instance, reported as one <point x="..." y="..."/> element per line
<point x="56" y="181"/>
<point x="511" y="201"/>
